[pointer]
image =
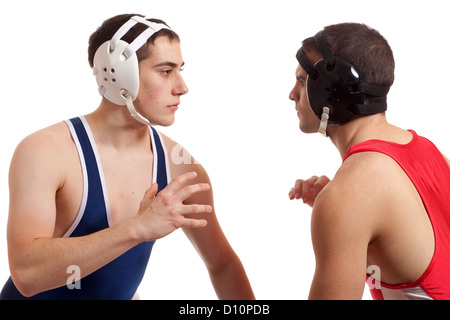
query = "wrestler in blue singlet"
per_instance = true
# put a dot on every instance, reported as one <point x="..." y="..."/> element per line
<point x="120" y="278"/>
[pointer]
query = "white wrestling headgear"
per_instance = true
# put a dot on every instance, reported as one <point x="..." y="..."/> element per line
<point x="116" y="65"/>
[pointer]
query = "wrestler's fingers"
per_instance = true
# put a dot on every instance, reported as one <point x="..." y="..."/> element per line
<point x="176" y="184"/>
<point x="195" y="208"/>
<point x="193" y="223"/>
<point x="307" y="190"/>
<point x="296" y="191"/>
<point x="151" y="192"/>
<point x="188" y="191"/>
<point x="321" y="182"/>
<point x="292" y="194"/>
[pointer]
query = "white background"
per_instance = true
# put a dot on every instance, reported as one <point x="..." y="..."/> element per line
<point x="236" y="119"/>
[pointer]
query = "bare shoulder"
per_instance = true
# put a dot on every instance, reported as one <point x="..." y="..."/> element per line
<point x="54" y="137"/>
<point x="359" y="194"/>
<point x="181" y="160"/>
<point x="357" y="174"/>
<point x="47" y="149"/>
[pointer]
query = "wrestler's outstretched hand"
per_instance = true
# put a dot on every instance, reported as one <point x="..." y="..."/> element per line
<point x="307" y="190"/>
<point x="163" y="214"/>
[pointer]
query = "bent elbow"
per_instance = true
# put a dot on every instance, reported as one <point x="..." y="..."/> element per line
<point x="23" y="283"/>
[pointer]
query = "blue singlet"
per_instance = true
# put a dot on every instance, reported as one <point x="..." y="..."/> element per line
<point x="121" y="277"/>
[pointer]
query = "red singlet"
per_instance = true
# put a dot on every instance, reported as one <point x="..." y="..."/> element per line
<point x="429" y="171"/>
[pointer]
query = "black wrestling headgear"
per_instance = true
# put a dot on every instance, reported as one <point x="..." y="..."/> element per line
<point x="334" y="87"/>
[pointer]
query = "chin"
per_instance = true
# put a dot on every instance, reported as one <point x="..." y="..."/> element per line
<point x="308" y="129"/>
<point x="309" y="126"/>
<point x="164" y="122"/>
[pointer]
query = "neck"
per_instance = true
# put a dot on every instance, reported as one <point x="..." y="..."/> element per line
<point x="113" y="125"/>
<point x="362" y="129"/>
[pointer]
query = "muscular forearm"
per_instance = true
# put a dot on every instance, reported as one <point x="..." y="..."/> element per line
<point x="42" y="264"/>
<point x="231" y="282"/>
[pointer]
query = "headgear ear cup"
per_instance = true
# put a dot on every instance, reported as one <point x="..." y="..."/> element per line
<point x="116" y="66"/>
<point x="333" y="85"/>
<point x="117" y="76"/>
<point x="334" y="89"/>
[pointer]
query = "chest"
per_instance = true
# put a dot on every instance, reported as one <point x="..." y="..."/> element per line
<point x="120" y="181"/>
<point x="126" y="178"/>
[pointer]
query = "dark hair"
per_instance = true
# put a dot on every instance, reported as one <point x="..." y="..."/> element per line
<point x="363" y="47"/>
<point x="109" y="27"/>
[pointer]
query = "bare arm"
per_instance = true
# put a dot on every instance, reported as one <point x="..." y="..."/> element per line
<point x="340" y="262"/>
<point x="347" y="216"/>
<point x="340" y="239"/>
<point x="224" y="266"/>
<point x="39" y="262"/>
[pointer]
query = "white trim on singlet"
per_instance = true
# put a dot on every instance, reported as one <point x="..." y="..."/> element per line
<point x="412" y="293"/>
<point x="155" y="156"/>
<point x="85" y="181"/>
<point x="396" y="292"/>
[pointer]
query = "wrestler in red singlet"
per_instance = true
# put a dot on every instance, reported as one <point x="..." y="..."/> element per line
<point x="429" y="171"/>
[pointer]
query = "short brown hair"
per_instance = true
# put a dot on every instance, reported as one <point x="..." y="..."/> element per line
<point x="109" y="27"/>
<point x="363" y="47"/>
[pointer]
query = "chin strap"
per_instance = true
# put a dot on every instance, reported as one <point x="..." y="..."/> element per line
<point x="134" y="113"/>
<point x="324" y="121"/>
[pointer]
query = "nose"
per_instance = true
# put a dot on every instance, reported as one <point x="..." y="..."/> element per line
<point x="293" y="95"/>
<point x="180" y="87"/>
